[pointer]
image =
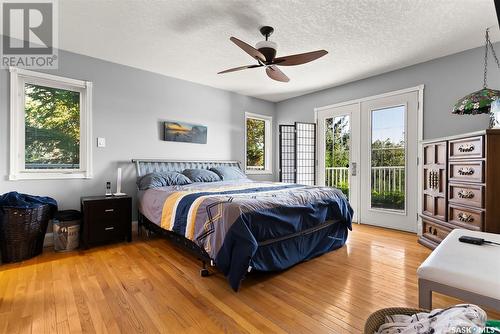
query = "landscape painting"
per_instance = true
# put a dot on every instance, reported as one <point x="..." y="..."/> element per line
<point x="184" y="132"/>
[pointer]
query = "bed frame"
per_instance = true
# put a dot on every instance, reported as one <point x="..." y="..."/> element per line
<point x="145" y="166"/>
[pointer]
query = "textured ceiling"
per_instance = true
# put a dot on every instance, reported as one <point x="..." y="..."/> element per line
<point x="190" y="39"/>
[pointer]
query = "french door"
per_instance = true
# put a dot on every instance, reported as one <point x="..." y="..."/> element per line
<point x="338" y="150"/>
<point x="368" y="149"/>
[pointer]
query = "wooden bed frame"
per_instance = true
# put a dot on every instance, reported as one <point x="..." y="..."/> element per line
<point x="145" y="166"/>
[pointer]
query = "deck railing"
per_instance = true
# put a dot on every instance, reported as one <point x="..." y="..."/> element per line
<point x="384" y="179"/>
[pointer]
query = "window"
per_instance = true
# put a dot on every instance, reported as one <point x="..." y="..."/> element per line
<point x="258" y="144"/>
<point x="50" y="126"/>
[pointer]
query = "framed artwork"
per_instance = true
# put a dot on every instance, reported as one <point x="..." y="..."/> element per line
<point x="185" y="132"/>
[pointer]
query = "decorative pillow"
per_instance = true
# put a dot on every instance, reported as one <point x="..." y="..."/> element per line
<point x="201" y="175"/>
<point x="229" y="173"/>
<point x="162" y="179"/>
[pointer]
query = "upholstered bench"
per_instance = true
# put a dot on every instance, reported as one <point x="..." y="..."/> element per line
<point x="468" y="272"/>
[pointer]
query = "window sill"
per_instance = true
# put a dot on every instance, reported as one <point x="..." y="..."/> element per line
<point x="49" y="176"/>
<point x="258" y="172"/>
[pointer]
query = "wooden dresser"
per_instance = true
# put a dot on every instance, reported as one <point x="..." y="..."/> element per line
<point x="461" y="185"/>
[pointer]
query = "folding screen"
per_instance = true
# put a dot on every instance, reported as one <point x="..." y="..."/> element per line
<point x="298" y="153"/>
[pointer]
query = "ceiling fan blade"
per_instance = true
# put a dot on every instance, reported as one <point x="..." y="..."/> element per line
<point x="239" y="68"/>
<point x="275" y="73"/>
<point x="299" y="59"/>
<point x="249" y="49"/>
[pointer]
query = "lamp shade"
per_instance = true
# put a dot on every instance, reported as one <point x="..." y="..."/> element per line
<point x="476" y="103"/>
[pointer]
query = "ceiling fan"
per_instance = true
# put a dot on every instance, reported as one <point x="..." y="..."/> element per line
<point x="265" y="54"/>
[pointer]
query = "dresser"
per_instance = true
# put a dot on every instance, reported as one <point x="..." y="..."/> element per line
<point x="106" y="219"/>
<point x="461" y="185"/>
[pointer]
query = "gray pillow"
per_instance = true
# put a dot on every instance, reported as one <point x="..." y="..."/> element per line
<point x="162" y="179"/>
<point x="201" y="175"/>
<point x="229" y="173"/>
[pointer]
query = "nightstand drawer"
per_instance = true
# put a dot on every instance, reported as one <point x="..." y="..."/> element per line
<point x="104" y="211"/>
<point x="102" y="231"/>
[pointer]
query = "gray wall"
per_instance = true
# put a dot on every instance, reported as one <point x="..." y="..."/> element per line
<point x="446" y="80"/>
<point x="128" y="106"/>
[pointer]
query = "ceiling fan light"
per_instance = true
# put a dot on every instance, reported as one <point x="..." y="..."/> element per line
<point x="266" y="44"/>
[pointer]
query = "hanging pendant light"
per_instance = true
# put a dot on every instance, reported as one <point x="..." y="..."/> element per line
<point x="480" y="102"/>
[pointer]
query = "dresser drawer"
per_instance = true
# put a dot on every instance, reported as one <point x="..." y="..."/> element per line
<point x="434" y="232"/>
<point x="467" y="194"/>
<point x="467" y="171"/>
<point x="471" y="147"/>
<point x="468" y="218"/>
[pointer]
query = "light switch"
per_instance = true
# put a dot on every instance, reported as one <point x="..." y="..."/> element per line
<point x="101" y="142"/>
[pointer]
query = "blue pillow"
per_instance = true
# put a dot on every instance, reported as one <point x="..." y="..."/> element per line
<point x="162" y="179"/>
<point x="201" y="175"/>
<point x="229" y="173"/>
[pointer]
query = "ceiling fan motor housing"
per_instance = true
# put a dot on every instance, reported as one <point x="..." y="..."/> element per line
<point x="267" y="48"/>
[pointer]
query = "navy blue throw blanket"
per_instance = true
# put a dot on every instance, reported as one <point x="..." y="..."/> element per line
<point x="24" y="201"/>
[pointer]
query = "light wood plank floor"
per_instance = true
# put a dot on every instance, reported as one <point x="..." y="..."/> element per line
<point x="149" y="286"/>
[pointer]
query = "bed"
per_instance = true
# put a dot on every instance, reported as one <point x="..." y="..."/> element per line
<point x="240" y="226"/>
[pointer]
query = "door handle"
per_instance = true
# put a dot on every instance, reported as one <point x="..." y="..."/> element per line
<point x="354" y="168"/>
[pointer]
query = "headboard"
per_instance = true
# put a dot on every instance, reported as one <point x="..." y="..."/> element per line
<point x="145" y="166"/>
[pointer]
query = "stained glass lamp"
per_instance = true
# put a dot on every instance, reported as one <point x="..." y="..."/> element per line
<point x="484" y="101"/>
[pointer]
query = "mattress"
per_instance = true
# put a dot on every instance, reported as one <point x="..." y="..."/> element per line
<point x="245" y="225"/>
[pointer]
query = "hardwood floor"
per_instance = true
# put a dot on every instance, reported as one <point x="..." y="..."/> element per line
<point x="149" y="286"/>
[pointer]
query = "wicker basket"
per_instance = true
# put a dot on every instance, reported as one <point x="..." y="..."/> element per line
<point x="376" y="319"/>
<point x="22" y="232"/>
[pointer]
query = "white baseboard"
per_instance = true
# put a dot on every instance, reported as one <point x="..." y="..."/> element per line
<point x="49" y="237"/>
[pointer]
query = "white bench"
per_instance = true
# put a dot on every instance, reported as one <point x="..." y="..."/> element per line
<point x="468" y="272"/>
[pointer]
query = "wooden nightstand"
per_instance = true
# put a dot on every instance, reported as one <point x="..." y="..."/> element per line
<point x="105" y="220"/>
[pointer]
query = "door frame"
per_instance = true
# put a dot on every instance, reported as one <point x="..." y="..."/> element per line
<point x="420" y="134"/>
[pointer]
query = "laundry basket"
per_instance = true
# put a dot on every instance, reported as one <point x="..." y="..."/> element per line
<point x="22" y="231"/>
<point x="377" y="319"/>
<point x="66" y="230"/>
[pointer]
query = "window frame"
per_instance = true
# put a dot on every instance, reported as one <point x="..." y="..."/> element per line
<point x="268" y="144"/>
<point x="18" y="78"/>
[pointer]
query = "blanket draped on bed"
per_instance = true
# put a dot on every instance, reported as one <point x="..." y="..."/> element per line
<point x="261" y="226"/>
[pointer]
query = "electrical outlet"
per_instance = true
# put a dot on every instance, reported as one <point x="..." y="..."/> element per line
<point x="101" y="142"/>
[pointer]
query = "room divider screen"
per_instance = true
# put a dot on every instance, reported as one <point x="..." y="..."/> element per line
<point x="298" y="153"/>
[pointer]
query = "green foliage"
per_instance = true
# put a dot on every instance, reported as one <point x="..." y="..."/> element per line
<point x="52" y="120"/>
<point x="388" y="200"/>
<point x="337" y="138"/>
<point x="256" y="132"/>
<point x="387" y="153"/>
<point x="344" y="187"/>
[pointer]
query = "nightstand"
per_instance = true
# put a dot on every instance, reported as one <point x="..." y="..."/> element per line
<point x="106" y="219"/>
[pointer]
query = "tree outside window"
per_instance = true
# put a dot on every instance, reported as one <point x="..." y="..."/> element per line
<point x="52" y="128"/>
<point x="256" y="139"/>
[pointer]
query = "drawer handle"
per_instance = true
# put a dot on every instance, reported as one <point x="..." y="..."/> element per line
<point x="466" y="171"/>
<point x="466" y="148"/>
<point x="109" y="210"/>
<point x="467" y="194"/>
<point x="465" y="218"/>
<point x="109" y="228"/>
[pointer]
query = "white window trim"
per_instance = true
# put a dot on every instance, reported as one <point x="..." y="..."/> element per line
<point x="17" y="172"/>
<point x="268" y="146"/>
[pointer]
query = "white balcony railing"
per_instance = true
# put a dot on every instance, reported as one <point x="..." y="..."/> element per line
<point x="384" y="179"/>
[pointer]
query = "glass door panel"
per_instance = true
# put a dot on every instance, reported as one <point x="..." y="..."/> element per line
<point x="388" y="159"/>
<point x="337" y="152"/>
